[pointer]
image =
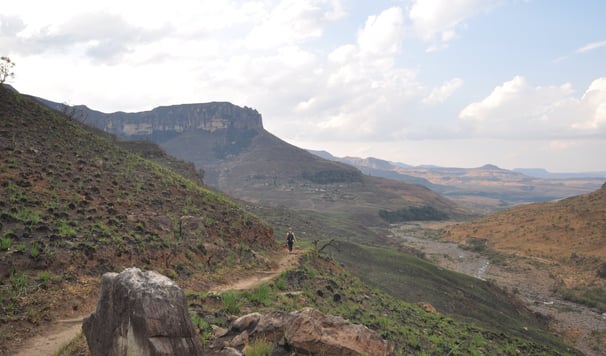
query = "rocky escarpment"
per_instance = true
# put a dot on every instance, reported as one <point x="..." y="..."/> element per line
<point x="177" y="119"/>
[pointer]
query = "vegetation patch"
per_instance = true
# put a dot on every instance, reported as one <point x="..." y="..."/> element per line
<point x="591" y="297"/>
<point x="413" y="213"/>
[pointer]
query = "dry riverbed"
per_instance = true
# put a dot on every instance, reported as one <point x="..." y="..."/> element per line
<point x="583" y="327"/>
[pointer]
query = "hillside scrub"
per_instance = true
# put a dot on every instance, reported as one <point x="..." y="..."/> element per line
<point x="74" y="205"/>
<point x="320" y="283"/>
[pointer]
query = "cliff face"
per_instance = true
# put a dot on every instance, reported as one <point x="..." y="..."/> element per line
<point x="178" y="119"/>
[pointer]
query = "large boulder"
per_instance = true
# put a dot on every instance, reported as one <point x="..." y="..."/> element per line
<point x="140" y="313"/>
<point x="313" y="332"/>
<point x="307" y="332"/>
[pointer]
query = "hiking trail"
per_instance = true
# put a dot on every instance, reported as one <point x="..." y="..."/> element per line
<point x="61" y="332"/>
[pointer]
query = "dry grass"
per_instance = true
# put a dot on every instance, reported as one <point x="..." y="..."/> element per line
<point x="568" y="235"/>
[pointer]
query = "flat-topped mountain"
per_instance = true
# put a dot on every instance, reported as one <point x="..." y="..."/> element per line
<point x="241" y="158"/>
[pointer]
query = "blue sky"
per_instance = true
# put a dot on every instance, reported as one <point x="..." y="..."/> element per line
<point x="516" y="83"/>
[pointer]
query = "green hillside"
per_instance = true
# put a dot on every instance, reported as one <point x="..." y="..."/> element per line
<point x="460" y="296"/>
<point x="74" y="205"/>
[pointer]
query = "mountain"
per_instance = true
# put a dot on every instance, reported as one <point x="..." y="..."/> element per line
<point x="75" y="204"/>
<point x="483" y="189"/>
<point x="241" y="158"/>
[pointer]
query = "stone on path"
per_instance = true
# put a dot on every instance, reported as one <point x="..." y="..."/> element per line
<point x="140" y="313"/>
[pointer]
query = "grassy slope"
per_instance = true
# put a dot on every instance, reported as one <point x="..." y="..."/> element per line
<point x="74" y="205"/>
<point x="458" y="295"/>
<point x="323" y="284"/>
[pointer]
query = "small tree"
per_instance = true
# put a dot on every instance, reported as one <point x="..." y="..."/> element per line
<point x="6" y="69"/>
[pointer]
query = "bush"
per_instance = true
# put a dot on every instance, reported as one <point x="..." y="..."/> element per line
<point x="259" y="347"/>
<point x="261" y="295"/>
<point x="231" y="304"/>
<point x="5" y="243"/>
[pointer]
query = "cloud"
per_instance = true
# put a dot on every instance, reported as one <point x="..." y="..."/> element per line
<point x="360" y="91"/>
<point x="591" y="46"/>
<point x="437" y="21"/>
<point x="382" y="34"/>
<point x="292" y="22"/>
<point x="440" y="94"/>
<point x="516" y="109"/>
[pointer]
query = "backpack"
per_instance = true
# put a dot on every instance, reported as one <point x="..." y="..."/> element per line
<point x="290" y="237"/>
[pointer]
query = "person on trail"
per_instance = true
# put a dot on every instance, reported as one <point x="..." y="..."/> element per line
<point x="290" y="239"/>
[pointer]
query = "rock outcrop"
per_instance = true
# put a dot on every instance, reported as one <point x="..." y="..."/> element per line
<point x="176" y="119"/>
<point x="140" y="313"/>
<point x="307" y="332"/>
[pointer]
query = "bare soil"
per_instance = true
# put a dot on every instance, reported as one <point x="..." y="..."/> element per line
<point x="529" y="280"/>
<point x="63" y="331"/>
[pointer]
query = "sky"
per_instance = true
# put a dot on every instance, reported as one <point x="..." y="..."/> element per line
<point x="457" y="83"/>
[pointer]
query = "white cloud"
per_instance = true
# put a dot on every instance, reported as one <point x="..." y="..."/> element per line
<point x="593" y="106"/>
<point x="591" y="46"/>
<point x="440" y="94"/>
<point x="382" y="34"/>
<point x="515" y="110"/>
<point x="292" y="22"/>
<point x="437" y="20"/>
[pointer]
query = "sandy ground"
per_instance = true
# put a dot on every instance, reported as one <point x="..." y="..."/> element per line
<point x="63" y="331"/>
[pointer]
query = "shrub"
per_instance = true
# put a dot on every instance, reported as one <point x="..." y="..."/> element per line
<point x="261" y="295"/>
<point x="43" y="277"/>
<point x="231" y="304"/>
<point x="5" y="243"/>
<point x="259" y="347"/>
<point x="34" y="251"/>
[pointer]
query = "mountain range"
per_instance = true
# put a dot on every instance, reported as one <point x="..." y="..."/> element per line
<point x="485" y="188"/>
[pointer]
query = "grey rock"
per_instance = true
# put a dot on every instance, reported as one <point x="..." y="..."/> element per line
<point x="140" y="313"/>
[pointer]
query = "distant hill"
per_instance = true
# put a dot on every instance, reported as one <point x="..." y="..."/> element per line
<point x="543" y="173"/>
<point x="75" y="204"/>
<point x="485" y="188"/>
<point x="241" y="158"/>
<point x="569" y="236"/>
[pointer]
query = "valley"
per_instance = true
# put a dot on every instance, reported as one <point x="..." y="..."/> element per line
<point x="522" y="277"/>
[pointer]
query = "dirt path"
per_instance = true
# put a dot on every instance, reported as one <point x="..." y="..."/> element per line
<point x="63" y="331"/>
<point x="289" y="260"/>
<point x="58" y="335"/>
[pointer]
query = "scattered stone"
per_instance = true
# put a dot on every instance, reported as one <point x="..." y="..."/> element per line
<point x="428" y="308"/>
<point x="246" y="322"/>
<point x="218" y="331"/>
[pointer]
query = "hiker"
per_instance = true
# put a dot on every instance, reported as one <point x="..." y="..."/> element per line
<point x="290" y="239"/>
